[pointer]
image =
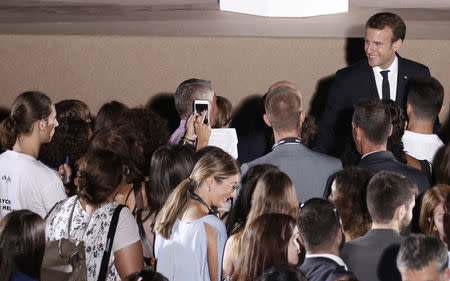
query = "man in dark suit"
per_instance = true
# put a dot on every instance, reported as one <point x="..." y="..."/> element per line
<point x="322" y="236"/>
<point x="390" y="200"/>
<point x="383" y="75"/>
<point x="371" y="128"/>
<point x="307" y="169"/>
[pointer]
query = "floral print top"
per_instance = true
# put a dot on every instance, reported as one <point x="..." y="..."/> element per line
<point x="92" y="229"/>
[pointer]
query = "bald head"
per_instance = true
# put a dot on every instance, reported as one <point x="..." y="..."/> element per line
<point x="283" y="107"/>
<point x="282" y="83"/>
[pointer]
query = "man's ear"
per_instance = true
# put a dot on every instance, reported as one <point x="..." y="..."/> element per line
<point x="356" y="132"/>
<point x="300" y="240"/>
<point x="400" y="212"/>
<point x="447" y="274"/>
<point x="302" y="117"/>
<point x="409" y="109"/>
<point x="339" y="235"/>
<point x="266" y="120"/>
<point x="390" y="130"/>
<point x="397" y="44"/>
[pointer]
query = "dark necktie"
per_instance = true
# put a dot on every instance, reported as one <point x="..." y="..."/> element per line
<point x="385" y="86"/>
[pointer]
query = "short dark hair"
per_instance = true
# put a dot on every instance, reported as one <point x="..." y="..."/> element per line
<point x="425" y="95"/>
<point x="188" y="91"/>
<point x="393" y="21"/>
<point x="283" y="272"/>
<point x="283" y="108"/>
<point x="100" y="172"/>
<point x="374" y="118"/>
<point x="386" y="192"/>
<point x="318" y="224"/>
<point x="418" y="251"/>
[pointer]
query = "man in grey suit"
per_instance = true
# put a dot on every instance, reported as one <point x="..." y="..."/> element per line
<point x="307" y="169"/>
<point x="390" y="200"/>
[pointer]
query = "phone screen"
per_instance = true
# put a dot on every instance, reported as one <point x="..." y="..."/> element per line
<point x="199" y="108"/>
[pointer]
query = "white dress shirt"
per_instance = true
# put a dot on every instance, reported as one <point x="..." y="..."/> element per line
<point x="392" y="77"/>
<point x="337" y="259"/>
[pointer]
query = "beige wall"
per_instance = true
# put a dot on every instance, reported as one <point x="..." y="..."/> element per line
<point x="133" y="69"/>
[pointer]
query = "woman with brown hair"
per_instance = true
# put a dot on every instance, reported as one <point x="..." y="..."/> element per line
<point x="274" y="193"/>
<point x="434" y="211"/>
<point x="22" y="245"/>
<point x="348" y="193"/>
<point x="27" y="183"/>
<point x="87" y="217"/>
<point x="271" y="239"/>
<point x="189" y="235"/>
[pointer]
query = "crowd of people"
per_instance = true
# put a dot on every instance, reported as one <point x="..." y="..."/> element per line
<point x="362" y="194"/>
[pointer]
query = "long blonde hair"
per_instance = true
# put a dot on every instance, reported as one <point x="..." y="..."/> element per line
<point x="214" y="163"/>
<point x="274" y="193"/>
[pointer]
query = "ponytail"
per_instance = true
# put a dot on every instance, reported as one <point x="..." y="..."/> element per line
<point x="27" y="108"/>
<point x="8" y="132"/>
<point x="173" y="207"/>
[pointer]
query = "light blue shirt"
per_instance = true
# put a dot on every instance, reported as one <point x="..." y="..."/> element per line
<point x="183" y="257"/>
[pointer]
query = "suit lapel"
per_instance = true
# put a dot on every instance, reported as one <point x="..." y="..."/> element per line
<point x="402" y="80"/>
<point x="373" y="92"/>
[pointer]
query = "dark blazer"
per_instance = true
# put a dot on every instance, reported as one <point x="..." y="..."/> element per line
<point x="322" y="269"/>
<point x="308" y="170"/>
<point x="386" y="161"/>
<point x="352" y="84"/>
<point x="372" y="257"/>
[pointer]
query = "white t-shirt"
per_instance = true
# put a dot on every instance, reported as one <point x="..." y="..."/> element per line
<point x="26" y="183"/>
<point x="421" y="146"/>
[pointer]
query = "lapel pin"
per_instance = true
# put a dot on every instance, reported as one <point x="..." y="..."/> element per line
<point x="406" y="77"/>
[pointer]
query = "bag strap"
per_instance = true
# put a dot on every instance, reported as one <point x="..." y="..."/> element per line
<point x="71" y="216"/>
<point x="109" y="243"/>
<point x="142" y="234"/>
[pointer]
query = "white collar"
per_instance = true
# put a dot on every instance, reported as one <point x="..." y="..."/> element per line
<point x="337" y="259"/>
<point x="392" y="68"/>
<point x="371" y="153"/>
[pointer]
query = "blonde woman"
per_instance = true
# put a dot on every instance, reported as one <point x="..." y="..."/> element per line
<point x="190" y="237"/>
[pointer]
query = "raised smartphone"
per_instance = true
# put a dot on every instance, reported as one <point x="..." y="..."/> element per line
<point x="199" y="107"/>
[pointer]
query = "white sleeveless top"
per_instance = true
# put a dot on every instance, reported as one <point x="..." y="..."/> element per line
<point x="183" y="257"/>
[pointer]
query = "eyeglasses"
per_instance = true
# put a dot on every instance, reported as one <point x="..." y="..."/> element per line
<point x="233" y="186"/>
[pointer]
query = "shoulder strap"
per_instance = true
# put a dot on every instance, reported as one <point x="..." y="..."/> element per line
<point x="147" y="245"/>
<point x="51" y="210"/>
<point x="109" y="243"/>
